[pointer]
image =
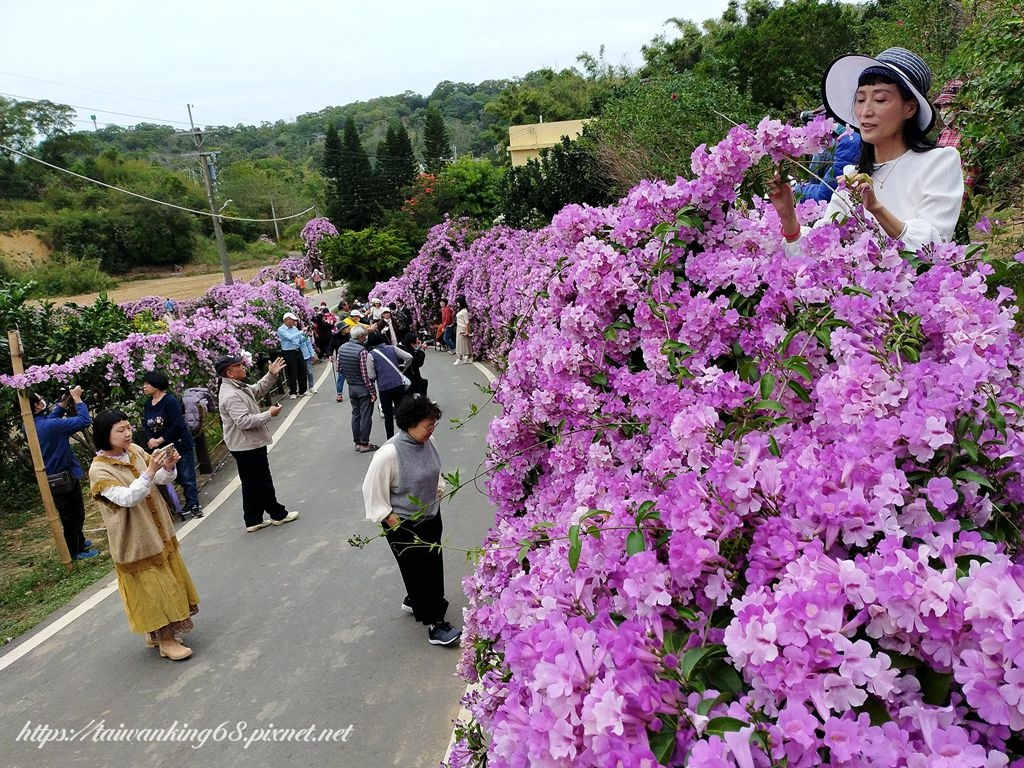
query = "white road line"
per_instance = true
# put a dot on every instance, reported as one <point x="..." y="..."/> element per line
<point x="464" y="715"/>
<point x="80" y="610"/>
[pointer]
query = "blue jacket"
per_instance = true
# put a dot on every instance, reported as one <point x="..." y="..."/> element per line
<point x="291" y="338"/>
<point x="847" y="153"/>
<point x="54" y="431"/>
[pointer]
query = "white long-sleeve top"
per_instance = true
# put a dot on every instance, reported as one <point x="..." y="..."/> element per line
<point x="925" y="190"/>
<point x="382" y="477"/>
<point x="129" y="496"/>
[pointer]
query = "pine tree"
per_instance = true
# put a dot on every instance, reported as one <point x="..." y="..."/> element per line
<point x="332" y="172"/>
<point x="356" y="183"/>
<point x="396" y="165"/>
<point x="436" y="142"/>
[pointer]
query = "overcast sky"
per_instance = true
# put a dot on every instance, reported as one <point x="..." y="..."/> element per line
<point x="251" y="61"/>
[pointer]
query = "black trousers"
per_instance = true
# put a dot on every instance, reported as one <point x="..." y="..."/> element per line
<point x="258" y="493"/>
<point x="422" y="567"/>
<point x="71" y="510"/>
<point x="389" y="400"/>
<point x="294" y="371"/>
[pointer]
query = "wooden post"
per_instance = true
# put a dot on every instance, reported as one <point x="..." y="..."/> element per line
<point x="14" y="340"/>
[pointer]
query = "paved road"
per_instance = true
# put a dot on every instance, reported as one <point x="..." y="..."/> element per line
<point x="296" y="628"/>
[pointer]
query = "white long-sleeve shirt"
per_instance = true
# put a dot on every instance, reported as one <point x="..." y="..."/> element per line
<point x="381" y="477"/>
<point x="139" y="489"/>
<point x="925" y="190"/>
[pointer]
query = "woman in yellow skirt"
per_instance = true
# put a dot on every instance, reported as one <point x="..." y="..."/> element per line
<point x="156" y="589"/>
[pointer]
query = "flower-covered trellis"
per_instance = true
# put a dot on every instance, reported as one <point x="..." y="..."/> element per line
<point x="752" y="509"/>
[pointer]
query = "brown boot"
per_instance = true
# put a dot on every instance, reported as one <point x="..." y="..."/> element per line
<point x="173" y="650"/>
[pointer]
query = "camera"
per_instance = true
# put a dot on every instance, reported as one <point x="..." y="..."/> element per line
<point x="806" y="116"/>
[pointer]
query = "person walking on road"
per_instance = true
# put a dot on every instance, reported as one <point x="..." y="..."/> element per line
<point x="318" y="278"/>
<point x="247" y="436"/>
<point x="353" y="364"/>
<point x="291" y="339"/>
<point x="163" y="423"/>
<point x="156" y="590"/>
<point x="62" y="468"/>
<point x="384" y="364"/>
<point x="408" y="467"/>
<point x="463" y="349"/>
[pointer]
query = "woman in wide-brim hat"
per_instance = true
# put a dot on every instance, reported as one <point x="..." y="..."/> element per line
<point x="911" y="188"/>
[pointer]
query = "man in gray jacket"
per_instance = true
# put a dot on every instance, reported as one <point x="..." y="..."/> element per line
<point x="247" y="435"/>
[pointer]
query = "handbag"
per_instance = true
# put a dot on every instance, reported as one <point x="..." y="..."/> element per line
<point x="61" y="482"/>
<point x="406" y="381"/>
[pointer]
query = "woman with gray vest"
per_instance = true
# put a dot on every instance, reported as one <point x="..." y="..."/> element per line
<point x="402" y="492"/>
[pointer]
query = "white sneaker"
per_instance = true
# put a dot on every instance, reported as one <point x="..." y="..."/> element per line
<point x="259" y="526"/>
<point x="310" y="392"/>
<point x="457" y="362"/>
<point x="286" y="519"/>
<point x="292" y="397"/>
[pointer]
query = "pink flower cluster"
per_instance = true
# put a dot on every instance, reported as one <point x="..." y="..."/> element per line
<point x="752" y="509"/>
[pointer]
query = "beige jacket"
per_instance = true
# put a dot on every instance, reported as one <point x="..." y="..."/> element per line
<point x="245" y="423"/>
<point x="139" y="535"/>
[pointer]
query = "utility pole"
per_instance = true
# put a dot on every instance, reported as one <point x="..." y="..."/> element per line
<point x="14" y="343"/>
<point x="273" y="215"/>
<point x="209" y="176"/>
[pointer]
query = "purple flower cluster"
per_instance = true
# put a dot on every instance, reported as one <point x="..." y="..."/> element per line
<point x="227" y="320"/>
<point x="752" y="510"/>
<point x="312" y="233"/>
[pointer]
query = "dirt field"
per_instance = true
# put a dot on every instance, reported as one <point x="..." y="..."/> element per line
<point x="23" y="250"/>
<point x="175" y="287"/>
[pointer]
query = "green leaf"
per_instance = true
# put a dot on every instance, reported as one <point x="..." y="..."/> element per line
<point x="800" y="389"/>
<point x="694" y="658"/>
<point x="663" y="744"/>
<point x="773" y="446"/>
<point x="524" y="549"/>
<point x="973" y="477"/>
<point x="575" y="547"/>
<point x="600" y="379"/>
<point x="934" y="685"/>
<point x="856" y="290"/>
<point x="767" y="386"/>
<point x="770" y="405"/>
<point x="722" y="676"/>
<point x="706" y="705"/>
<point x="635" y="542"/>
<point x="721" y="725"/>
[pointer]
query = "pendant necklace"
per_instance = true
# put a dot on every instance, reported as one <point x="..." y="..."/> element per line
<point x="880" y="183"/>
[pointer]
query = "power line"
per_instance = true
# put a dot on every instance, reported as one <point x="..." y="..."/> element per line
<point x="93" y="109"/>
<point x="111" y="93"/>
<point x="150" y="199"/>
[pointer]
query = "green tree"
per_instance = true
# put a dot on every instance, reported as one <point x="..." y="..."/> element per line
<point x="436" y="141"/>
<point x="469" y="187"/>
<point x="356" y="183"/>
<point x="22" y="125"/>
<point x="650" y="130"/>
<point x="396" y="165"/>
<point x="663" y="56"/>
<point x="364" y="258"/>
<point x="565" y="173"/>
<point x="776" y="54"/>
<point x="331" y="169"/>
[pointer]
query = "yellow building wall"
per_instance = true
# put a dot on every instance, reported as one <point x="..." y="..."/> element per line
<point x="526" y="141"/>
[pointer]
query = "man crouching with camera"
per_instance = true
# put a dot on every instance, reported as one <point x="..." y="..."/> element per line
<point x="63" y="471"/>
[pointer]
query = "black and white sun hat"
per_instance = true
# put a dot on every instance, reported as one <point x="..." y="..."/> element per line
<point x="839" y="85"/>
